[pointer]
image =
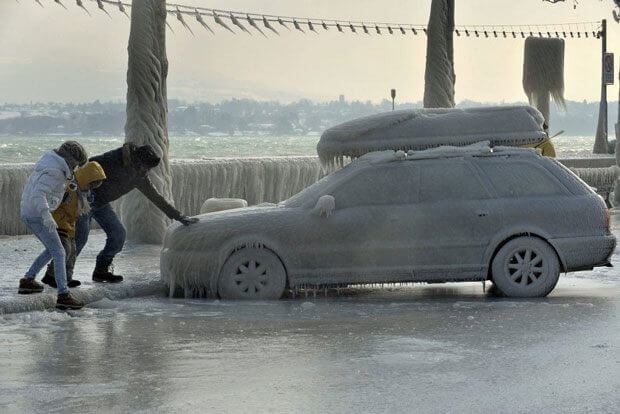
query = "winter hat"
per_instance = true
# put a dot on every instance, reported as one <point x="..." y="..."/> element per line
<point x="145" y="155"/>
<point x="73" y="152"/>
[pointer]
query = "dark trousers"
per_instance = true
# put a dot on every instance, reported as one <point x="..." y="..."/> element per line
<point x="68" y="243"/>
<point x="114" y="230"/>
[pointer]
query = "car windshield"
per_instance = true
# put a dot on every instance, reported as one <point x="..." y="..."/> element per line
<point x="310" y="195"/>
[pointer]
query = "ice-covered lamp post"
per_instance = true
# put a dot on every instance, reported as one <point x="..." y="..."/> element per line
<point x="147" y="115"/>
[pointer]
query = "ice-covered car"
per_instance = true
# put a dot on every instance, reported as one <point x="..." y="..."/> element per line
<point x="447" y="214"/>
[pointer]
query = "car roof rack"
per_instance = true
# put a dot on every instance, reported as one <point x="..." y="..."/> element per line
<point x="478" y="149"/>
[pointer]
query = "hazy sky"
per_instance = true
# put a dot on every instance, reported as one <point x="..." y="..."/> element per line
<point x="52" y="54"/>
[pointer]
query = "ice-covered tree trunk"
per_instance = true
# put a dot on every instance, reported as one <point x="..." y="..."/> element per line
<point x="147" y="115"/>
<point x="439" y="77"/>
<point x="543" y="73"/>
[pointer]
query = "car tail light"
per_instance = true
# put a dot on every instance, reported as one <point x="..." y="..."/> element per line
<point x="607" y="219"/>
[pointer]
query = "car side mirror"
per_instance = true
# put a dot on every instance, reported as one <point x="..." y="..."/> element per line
<point x="324" y="206"/>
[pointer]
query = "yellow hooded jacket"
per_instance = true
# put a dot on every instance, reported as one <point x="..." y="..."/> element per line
<point x="67" y="213"/>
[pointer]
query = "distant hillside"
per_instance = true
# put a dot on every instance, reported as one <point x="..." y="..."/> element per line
<point x="247" y="116"/>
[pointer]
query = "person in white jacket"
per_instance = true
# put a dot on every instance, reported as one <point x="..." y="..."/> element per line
<point x="43" y="193"/>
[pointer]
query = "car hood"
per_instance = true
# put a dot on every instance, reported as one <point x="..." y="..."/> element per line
<point x="214" y="227"/>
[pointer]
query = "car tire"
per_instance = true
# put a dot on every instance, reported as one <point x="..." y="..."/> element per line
<point x="525" y="267"/>
<point x="252" y="273"/>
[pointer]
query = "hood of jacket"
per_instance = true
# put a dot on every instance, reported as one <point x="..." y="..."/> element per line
<point x="91" y="171"/>
<point x="52" y="161"/>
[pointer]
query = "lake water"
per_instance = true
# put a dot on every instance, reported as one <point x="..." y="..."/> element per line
<point x="16" y="149"/>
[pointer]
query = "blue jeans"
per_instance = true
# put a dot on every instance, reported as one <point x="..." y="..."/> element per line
<point x="114" y="230"/>
<point x="53" y="250"/>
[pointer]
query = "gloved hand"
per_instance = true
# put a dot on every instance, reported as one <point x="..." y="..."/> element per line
<point x="188" y="220"/>
<point x="49" y="223"/>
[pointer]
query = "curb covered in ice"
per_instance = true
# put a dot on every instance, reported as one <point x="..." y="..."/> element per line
<point x="47" y="299"/>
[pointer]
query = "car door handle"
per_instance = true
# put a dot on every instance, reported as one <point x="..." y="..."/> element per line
<point x="482" y="213"/>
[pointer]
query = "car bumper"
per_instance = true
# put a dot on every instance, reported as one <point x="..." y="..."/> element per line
<point x="583" y="253"/>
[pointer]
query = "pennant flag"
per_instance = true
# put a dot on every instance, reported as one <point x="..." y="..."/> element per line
<point x="254" y="25"/>
<point x="269" y="26"/>
<point x="80" y="5"/>
<point x="200" y="20"/>
<point x="219" y="21"/>
<point x="237" y="23"/>
<point x="180" y="18"/>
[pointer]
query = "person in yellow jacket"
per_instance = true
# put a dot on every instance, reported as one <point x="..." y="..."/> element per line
<point x="75" y="203"/>
<point x="545" y="146"/>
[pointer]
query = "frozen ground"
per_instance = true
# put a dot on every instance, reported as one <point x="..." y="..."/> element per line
<point x="420" y="348"/>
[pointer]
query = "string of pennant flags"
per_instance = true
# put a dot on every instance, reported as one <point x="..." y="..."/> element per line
<point x="267" y="23"/>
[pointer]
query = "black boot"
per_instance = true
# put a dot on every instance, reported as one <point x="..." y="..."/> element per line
<point x="73" y="283"/>
<point x="102" y="274"/>
<point x="49" y="280"/>
<point x="27" y="285"/>
<point x="66" y="301"/>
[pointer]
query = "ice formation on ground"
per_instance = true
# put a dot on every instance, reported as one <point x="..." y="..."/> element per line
<point x="147" y="115"/>
<point x="219" y="204"/>
<point x="419" y="129"/>
<point x="543" y="72"/>
<point x="439" y="77"/>
<point x="394" y="217"/>
<point x="47" y="300"/>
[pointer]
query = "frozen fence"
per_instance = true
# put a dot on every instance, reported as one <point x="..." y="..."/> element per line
<point x="256" y="180"/>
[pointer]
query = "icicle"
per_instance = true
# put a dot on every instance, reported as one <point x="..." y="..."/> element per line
<point x="296" y="25"/>
<point x="311" y="26"/>
<point x="200" y="20"/>
<point x="219" y="21"/>
<point x="282" y="23"/>
<point x="121" y="9"/>
<point x="254" y="25"/>
<point x="180" y="18"/>
<point x="60" y="3"/>
<point x="352" y="28"/>
<point x="390" y="30"/>
<point x="324" y="25"/>
<point x="339" y="27"/>
<point x="365" y="29"/>
<point x="39" y="3"/>
<point x="237" y="23"/>
<point x="269" y="26"/>
<point x="81" y="5"/>
<point x="402" y="31"/>
<point x="100" y="5"/>
<point x="377" y="29"/>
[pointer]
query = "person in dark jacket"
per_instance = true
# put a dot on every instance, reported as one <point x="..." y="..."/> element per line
<point x="126" y="168"/>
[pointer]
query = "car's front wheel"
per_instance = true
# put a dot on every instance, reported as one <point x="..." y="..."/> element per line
<point x="252" y="273"/>
<point x="526" y="267"/>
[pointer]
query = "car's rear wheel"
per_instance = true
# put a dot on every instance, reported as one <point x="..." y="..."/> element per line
<point x="526" y="267"/>
<point x="252" y="273"/>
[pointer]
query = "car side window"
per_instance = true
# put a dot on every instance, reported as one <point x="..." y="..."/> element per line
<point x="520" y="179"/>
<point x="450" y="179"/>
<point x="382" y="185"/>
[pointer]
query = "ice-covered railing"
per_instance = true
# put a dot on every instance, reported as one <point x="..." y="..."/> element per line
<point x="255" y="179"/>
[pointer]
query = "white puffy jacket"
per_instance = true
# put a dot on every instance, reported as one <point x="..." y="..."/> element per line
<point x="45" y="186"/>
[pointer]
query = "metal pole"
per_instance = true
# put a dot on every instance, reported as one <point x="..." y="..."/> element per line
<point x="600" y="141"/>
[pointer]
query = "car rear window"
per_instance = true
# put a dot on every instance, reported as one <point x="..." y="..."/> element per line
<point x="450" y="179"/>
<point x="520" y="179"/>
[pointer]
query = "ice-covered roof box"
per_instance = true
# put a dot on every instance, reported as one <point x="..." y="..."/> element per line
<point x="420" y="129"/>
